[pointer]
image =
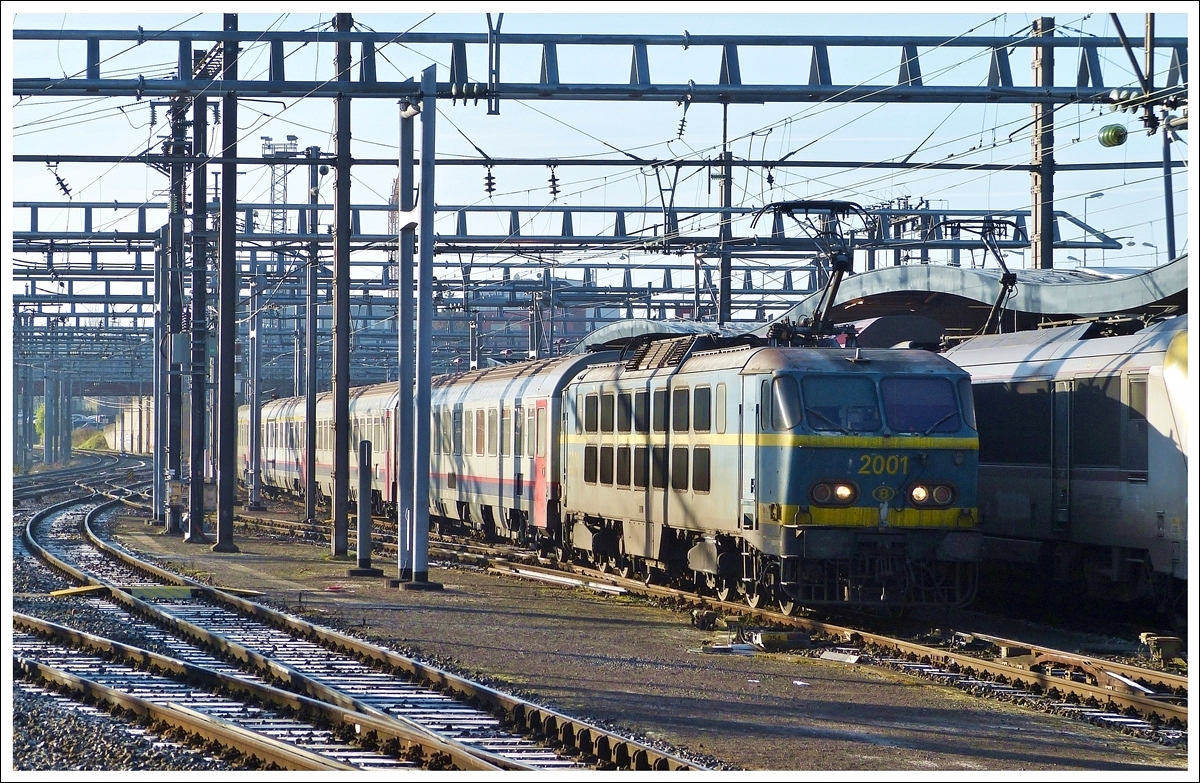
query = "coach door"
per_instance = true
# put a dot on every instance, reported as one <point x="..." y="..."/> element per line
<point x="1061" y="469"/>
<point x="538" y="426"/>
<point x="748" y="453"/>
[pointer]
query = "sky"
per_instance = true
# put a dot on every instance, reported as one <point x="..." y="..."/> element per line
<point x="1127" y="204"/>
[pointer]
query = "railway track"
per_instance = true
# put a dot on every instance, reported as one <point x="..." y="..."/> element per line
<point x="400" y="701"/>
<point x="1118" y="695"/>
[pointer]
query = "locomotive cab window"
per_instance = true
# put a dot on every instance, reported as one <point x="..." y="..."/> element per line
<point x="920" y="405"/>
<point x="785" y="403"/>
<point x="1096" y="422"/>
<point x="841" y="404"/>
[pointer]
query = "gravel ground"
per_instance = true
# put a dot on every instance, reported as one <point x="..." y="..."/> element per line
<point x="628" y="663"/>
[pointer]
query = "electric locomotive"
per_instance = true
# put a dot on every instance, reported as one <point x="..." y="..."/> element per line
<point x="1083" y="436"/>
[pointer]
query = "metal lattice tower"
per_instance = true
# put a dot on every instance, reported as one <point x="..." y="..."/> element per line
<point x="279" y="175"/>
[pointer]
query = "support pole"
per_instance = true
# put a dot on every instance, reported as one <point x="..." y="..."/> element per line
<point x="158" y="407"/>
<point x="725" y="307"/>
<point x="227" y="254"/>
<point x="341" y="302"/>
<point x="67" y="419"/>
<point x="175" y="257"/>
<point x="198" y="436"/>
<point x="1168" y="192"/>
<point x="363" y="541"/>
<point x="404" y="414"/>
<point x="1042" y="214"/>
<point x="310" y="348"/>
<point x="420" y="580"/>
<point x="250" y="360"/>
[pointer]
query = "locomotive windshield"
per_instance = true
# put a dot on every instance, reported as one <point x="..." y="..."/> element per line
<point x="841" y="404"/>
<point x="921" y="405"/>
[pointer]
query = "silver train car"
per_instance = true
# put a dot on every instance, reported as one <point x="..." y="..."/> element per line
<point x="1083" y="449"/>
<point x="795" y="476"/>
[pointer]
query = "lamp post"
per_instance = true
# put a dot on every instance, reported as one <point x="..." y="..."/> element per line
<point x="1086" y="199"/>
<point x="1151" y="244"/>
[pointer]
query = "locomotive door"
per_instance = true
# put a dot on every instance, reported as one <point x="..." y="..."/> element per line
<point x="748" y="454"/>
<point x="541" y="461"/>
<point x="1061" y="468"/>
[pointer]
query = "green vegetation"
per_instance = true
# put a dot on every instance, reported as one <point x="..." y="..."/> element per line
<point x="89" y="439"/>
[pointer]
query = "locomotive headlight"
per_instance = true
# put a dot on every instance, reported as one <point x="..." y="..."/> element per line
<point x="833" y="494"/>
<point x="844" y="493"/>
<point x="920" y="494"/>
<point x="942" y="495"/>
<point x="821" y="493"/>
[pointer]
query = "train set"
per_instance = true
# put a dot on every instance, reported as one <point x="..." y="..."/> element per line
<point x="807" y="475"/>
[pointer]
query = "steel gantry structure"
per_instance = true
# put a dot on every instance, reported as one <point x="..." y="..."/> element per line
<point x="335" y="293"/>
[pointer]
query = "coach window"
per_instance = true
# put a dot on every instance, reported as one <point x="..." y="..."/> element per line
<point x="606" y="465"/>
<point x="1014" y="422"/>
<point x="591" y="413"/>
<point x="607" y="402"/>
<point x="578" y="413"/>
<point x="505" y="429"/>
<point x="530" y="432"/>
<point x="1096" y="422"/>
<point x="659" y="414"/>
<point x="640" y="457"/>
<point x="701" y="469"/>
<point x="658" y="467"/>
<point x="518" y="428"/>
<point x="447" y="431"/>
<point x="702" y="409"/>
<point x="1136" y="427"/>
<point x="493" y="431"/>
<point x="480" y="431"/>
<point x="680" y="409"/>
<point x="641" y="412"/>
<point x="435" y="434"/>
<point x="679" y="468"/>
<point x="541" y="432"/>
<point x="624" y="465"/>
<point x="590" y="463"/>
<point x="720" y="409"/>
<point x="457" y="431"/>
<point x="624" y="412"/>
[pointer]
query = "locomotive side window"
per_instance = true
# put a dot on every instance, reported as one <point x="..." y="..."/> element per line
<point x="764" y="406"/>
<point x="967" y="397"/>
<point x="680" y="409"/>
<point x="841" y="404"/>
<point x="702" y="409"/>
<point x="701" y="464"/>
<point x="658" y="467"/>
<point x="1014" y="422"/>
<point x="721" y="409"/>
<point x="624" y="412"/>
<point x="920" y="405"/>
<point x="1137" y="428"/>
<point x="659" y="413"/>
<point x="505" y="430"/>
<point x="679" y="468"/>
<point x="624" y="465"/>
<point x="640" y="457"/>
<point x="1096" y="422"/>
<point x="591" y="416"/>
<point x="493" y="431"/>
<point x="785" y="403"/>
<point x="518" y="420"/>
<point x="590" y="464"/>
<point x="607" y="402"/>
<point x="606" y="465"/>
<point x="641" y="412"/>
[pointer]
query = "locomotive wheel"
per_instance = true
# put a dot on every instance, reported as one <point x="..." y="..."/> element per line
<point x="625" y="567"/>
<point x="754" y="598"/>
<point x="786" y="605"/>
<point x="725" y="590"/>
